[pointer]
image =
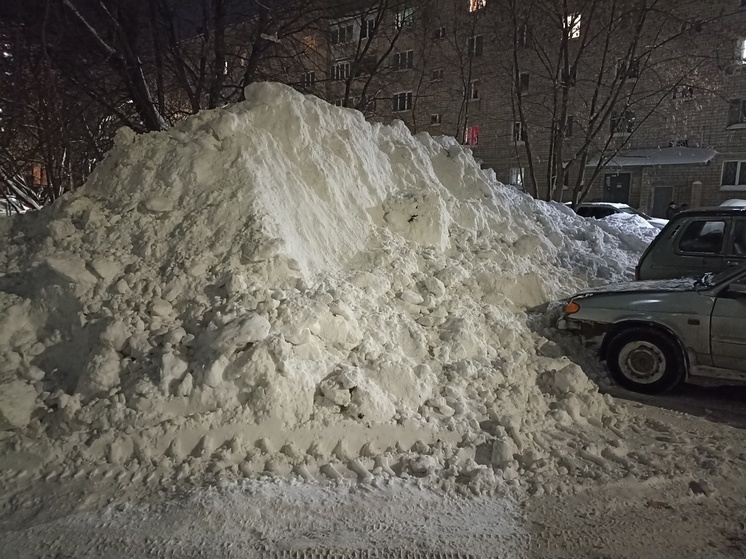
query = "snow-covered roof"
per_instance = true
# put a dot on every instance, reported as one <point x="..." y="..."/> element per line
<point x="659" y="156"/>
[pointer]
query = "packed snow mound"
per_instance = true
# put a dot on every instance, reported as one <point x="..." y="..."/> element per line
<point x="282" y="285"/>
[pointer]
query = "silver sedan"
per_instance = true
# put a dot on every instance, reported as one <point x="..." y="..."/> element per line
<point x="653" y="334"/>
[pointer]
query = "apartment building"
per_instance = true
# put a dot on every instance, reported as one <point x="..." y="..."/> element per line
<point x="673" y="126"/>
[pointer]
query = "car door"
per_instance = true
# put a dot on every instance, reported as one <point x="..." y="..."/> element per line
<point x="700" y="247"/>
<point x="728" y="327"/>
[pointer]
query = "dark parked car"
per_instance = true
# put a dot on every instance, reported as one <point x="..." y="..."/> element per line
<point x="653" y="334"/>
<point x="695" y="242"/>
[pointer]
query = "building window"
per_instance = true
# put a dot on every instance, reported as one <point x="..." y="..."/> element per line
<point x="734" y="175"/>
<point x="622" y="122"/>
<point x="567" y="128"/>
<point x="439" y="33"/>
<point x="474" y="45"/>
<point x="524" y="36"/>
<point x="518" y="133"/>
<point x="524" y="80"/>
<point x="572" y="24"/>
<point x="404" y="60"/>
<point x="516" y="176"/>
<point x="436" y="119"/>
<point x="474" y="89"/>
<point x="404" y="18"/>
<point x="737" y="112"/>
<point x="679" y="143"/>
<point x="309" y="41"/>
<point x="308" y="79"/>
<point x="741" y="51"/>
<point x="475" y="5"/>
<point x="682" y="92"/>
<point x="342" y="34"/>
<point x="341" y="71"/>
<point x="402" y="101"/>
<point x="471" y="135"/>
<point x="629" y="71"/>
<point x="436" y="75"/>
<point x="367" y="28"/>
<point x="341" y="102"/>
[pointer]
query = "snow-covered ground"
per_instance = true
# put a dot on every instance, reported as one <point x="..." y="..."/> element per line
<point x="277" y="326"/>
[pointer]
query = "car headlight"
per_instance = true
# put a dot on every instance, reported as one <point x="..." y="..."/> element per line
<point x="572" y="307"/>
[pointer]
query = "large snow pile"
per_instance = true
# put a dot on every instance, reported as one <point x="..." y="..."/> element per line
<point x="281" y="285"/>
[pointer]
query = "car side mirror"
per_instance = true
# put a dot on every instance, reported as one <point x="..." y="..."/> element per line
<point x="736" y="287"/>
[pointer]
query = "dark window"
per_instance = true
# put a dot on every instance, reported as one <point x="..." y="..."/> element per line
<point x="308" y="79"/>
<point x="622" y="122"/>
<point x="439" y="33"/>
<point x="703" y="237"/>
<point x="524" y="80"/>
<point x="630" y="70"/>
<point x="404" y="18"/>
<point x="403" y="101"/>
<point x="524" y="36"/>
<point x="404" y="60"/>
<point x="342" y="34"/>
<point x="367" y="28"/>
<point x="737" y="112"/>
<point x="567" y="128"/>
<point x="475" y="45"/>
<point x="519" y="132"/>
<point x="436" y="119"/>
<point x="734" y="173"/>
<point x="436" y="75"/>
<point x="739" y="237"/>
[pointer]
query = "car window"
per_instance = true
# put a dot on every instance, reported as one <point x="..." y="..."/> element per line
<point x="739" y="237"/>
<point x="703" y="237"/>
<point x="584" y="212"/>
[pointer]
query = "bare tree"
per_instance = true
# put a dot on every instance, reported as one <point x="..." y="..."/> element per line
<point x="602" y="68"/>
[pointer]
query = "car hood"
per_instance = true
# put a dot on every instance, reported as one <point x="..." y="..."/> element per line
<point x="666" y="285"/>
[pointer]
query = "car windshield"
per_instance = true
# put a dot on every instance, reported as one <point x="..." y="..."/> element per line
<point x="710" y="280"/>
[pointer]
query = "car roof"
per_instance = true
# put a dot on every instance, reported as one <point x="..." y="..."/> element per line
<point x="604" y="204"/>
<point x="713" y="211"/>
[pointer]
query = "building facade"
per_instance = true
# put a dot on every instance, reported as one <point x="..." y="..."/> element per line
<point x="642" y="108"/>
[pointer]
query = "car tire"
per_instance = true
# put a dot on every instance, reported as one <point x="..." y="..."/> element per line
<point x="646" y="360"/>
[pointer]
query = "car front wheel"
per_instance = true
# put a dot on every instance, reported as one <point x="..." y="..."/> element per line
<point x="646" y="360"/>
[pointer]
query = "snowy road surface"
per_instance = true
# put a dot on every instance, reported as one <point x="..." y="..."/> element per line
<point x="670" y="516"/>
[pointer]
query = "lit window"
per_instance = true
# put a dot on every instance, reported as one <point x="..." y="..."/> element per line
<point x="471" y="135"/>
<point x="475" y="5"/>
<point x="436" y="119"/>
<point x="402" y="101"/>
<point x="572" y="24"/>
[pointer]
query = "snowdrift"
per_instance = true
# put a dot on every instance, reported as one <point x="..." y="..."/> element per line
<point x="282" y="286"/>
